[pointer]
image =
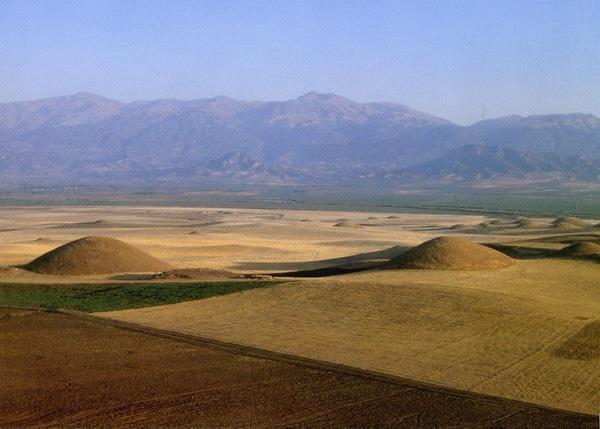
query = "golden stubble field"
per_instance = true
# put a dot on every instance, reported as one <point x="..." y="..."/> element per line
<point x="526" y="332"/>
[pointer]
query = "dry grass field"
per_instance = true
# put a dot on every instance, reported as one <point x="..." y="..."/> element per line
<point x="528" y="331"/>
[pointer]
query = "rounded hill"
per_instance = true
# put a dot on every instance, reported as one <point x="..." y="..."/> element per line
<point x="347" y="224"/>
<point x="581" y="248"/>
<point x="95" y="255"/>
<point x="568" y="222"/>
<point x="451" y="253"/>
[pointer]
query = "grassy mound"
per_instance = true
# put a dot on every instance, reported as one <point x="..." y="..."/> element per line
<point x="582" y="248"/>
<point x="451" y="253"/>
<point x="95" y="255"/>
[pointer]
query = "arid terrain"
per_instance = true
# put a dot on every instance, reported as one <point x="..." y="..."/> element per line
<point x="237" y="239"/>
<point x="519" y="323"/>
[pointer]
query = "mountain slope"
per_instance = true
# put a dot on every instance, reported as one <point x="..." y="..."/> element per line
<point x="476" y="162"/>
<point x="70" y="133"/>
<point x="71" y="110"/>
<point x="571" y="134"/>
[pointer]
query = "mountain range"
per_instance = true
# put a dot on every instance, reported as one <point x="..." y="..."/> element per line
<point x="478" y="162"/>
<point x="313" y="138"/>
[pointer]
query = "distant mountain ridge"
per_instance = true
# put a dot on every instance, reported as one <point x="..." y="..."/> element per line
<point x="565" y="134"/>
<point x="304" y="139"/>
<point x="478" y="162"/>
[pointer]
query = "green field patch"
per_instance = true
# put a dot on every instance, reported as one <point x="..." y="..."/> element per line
<point x="108" y="297"/>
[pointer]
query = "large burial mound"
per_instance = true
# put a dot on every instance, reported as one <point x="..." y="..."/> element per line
<point x="95" y="255"/>
<point x="581" y="249"/>
<point x="450" y="253"/>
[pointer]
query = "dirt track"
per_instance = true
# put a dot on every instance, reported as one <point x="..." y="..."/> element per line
<point x="61" y="370"/>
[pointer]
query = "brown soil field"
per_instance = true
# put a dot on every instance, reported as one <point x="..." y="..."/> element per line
<point x="64" y="371"/>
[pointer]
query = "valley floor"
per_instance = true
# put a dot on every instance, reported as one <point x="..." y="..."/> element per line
<point x="529" y="332"/>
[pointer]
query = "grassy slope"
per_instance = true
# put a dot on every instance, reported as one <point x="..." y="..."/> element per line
<point x="106" y="297"/>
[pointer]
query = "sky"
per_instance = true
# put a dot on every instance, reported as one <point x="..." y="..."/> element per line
<point x="461" y="60"/>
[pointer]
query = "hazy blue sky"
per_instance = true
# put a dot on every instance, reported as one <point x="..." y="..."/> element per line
<point x="456" y="59"/>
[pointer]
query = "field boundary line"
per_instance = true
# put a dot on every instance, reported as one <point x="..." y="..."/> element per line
<point x="296" y="360"/>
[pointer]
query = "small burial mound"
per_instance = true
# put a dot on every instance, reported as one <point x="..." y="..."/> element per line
<point x="526" y="223"/>
<point x="347" y="224"/>
<point x="450" y="253"/>
<point x="582" y="248"/>
<point x="205" y="274"/>
<point x="43" y="240"/>
<point x="95" y="255"/>
<point x="568" y="222"/>
<point x="100" y="223"/>
<point x="196" y="273"/>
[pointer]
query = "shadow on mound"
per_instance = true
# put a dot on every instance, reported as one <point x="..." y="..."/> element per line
<point x="569" y="239"/>
<point x="578" y="250"/>
<point x="581" y="249"/>
<point x="522" y="252"/>
<point x="321" y="272"/>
